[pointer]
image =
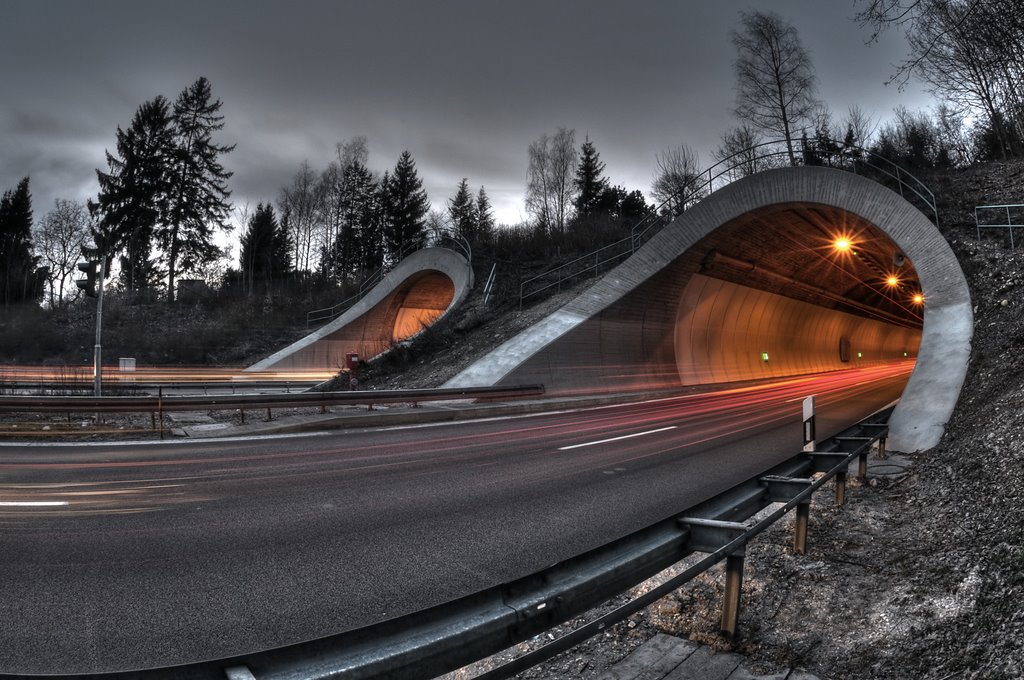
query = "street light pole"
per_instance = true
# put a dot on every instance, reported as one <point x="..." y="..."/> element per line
<point x="97" y="364"/>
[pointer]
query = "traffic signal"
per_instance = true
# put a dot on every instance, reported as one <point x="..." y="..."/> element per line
<point x="88" y="284"/>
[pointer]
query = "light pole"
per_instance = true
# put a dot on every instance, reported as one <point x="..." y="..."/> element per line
<point x="95" y="270"/>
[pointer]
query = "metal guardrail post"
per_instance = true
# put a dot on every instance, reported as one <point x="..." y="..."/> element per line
<point x="733" y="590"/>
<point x="841" y="487"/>
<point x="803" y="516"/>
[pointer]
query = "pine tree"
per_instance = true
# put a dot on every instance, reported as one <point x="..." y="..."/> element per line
<point x="357" y="241"/>
<point x="484" y="216"/>
<point x="463" y="212"/>
<point x="265" y="254"/>
<point x="407" y="207"/>
<point x="133" y="194"/>
<point x="589" y="183"/>
<point x="21" y="277"/>
<point x="197" y="191"/>
<point x="385" y="210"/>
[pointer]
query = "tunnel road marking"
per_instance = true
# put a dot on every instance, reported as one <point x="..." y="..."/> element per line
<point x="615" y="439"/>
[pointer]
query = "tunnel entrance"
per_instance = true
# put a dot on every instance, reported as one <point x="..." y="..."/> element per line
<point x="413" y="295"/>
<point x="791" y="289"/>
<point x="421" y="303"/>
<point x="621" y="333"/>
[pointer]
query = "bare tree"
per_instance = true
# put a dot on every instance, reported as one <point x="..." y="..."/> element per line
<point x="858" y="127"/>
<point x="59" y="239"/>
<point x="739" y="153"/>
<point x="549" y="178"/>
<point x="970" y="53"/>
<point x="676" y="177"/>
<point x="775" y="82"/>
<point x="352" y="151"/>
<point x="300" y="204"/>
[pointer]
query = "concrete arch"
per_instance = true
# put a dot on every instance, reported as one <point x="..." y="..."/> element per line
<point x="413" y="295"/>
<point x="626" y="324"/>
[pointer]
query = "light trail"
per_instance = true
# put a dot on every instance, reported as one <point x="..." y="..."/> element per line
<point x="683" y="422"/>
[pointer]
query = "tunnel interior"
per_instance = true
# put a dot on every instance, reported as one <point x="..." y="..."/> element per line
<point x="786" y="289"/>
<point x="414" y="304"/>
<point x="794" y="288"/>
<point x="426" y="299"/>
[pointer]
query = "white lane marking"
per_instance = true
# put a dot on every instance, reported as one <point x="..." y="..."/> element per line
<point x="615" y="439"/>
<point x="32" y="504"/>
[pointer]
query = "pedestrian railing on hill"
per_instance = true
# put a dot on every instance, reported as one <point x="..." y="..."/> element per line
<point x="761" y="157"/>
<point x="985" y="214"/>
<point x="436" y="239"/>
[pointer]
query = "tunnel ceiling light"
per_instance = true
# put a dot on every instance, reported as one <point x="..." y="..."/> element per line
<point x="892" y="281"/>
<point x="918" y="298"/>
<point x="842" y="244"/>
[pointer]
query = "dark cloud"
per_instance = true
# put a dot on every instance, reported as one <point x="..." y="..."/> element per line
<point x="464" y="85"/>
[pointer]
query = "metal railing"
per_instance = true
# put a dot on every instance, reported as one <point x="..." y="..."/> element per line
<point x="224" y="402"/>
<point x="451" y="635"/>
<point x="765" y="156"/>
<point x="1010" y="225"/>
<point x="436" y="238"/>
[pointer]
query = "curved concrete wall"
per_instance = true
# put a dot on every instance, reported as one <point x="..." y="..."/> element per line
<point x="621" y="331"/>
<point x="417" y="292"/>
<point x="724" y="330"/>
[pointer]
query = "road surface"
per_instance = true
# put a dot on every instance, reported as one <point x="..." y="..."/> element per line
<point x="127" y="556"/>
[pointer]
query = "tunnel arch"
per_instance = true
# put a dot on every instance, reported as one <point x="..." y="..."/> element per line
<point x="417" y="292"/>
<point x="622" y="321"/>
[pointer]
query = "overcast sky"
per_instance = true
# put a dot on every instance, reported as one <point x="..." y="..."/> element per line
<point x="463" y="85"/>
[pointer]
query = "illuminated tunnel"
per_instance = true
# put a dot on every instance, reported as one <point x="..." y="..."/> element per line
<point x="417" y="292"/>
<point x="749" y="284"/>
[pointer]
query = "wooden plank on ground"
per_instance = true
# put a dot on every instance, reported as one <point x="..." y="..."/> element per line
<point x="652" y="660"/>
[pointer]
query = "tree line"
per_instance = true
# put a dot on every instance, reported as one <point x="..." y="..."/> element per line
<point x="163" y="195"/>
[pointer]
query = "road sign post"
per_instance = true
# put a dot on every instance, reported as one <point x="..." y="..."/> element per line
<point x="809" y="435"/>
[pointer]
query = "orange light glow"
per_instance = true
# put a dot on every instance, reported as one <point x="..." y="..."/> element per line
<point x="918" y="299"/>
<point x="892" y="281"/>
<point x="842" y="244"/>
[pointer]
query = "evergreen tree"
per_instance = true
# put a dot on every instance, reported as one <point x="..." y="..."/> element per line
<point x="265" y="254"/>
<point x="197" y="191"/>
<point x="406" y="207"/>
<point x="21" y="277"/>
<point x="589" y="183"/>
<point x="484" y="216"/>
<point x="356" y="247"/>
<point x="133" y="194"/>
<point x="463" y="212"/>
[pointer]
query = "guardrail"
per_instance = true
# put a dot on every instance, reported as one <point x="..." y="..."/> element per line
<point x="762" y="156"/>
<point x="451" y="635"/>
<point x="1010" y="224"/>
<point x="161" y="404"/>
<point x="127" y="384"/>
<point x="437" y="238"/>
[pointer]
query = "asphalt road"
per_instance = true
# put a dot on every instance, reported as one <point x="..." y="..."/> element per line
<point x="118" y="557"/>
